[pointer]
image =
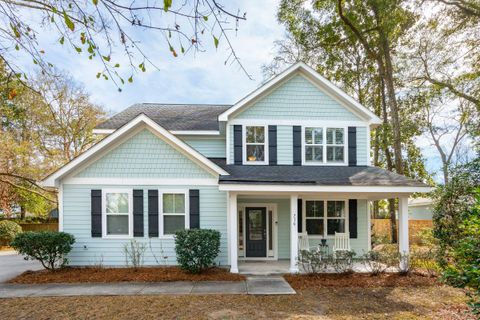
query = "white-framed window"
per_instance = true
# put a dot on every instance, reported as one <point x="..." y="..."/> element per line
<point x="255" y="148"/>
<point x="335" y="145"/>
<point x="324" y="145"/>
<point x="117" y="213"/>
<point x="313" y="144"/>
<point x="173" y="212"/>
<point x="325" y="217"/>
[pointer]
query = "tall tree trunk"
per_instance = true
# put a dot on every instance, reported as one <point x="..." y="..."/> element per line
<point x="388" y="157"/>
<point x="22" y="212"/>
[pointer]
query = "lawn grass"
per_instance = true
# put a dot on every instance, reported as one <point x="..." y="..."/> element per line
<point x="104" y="275"/>
<point x="425" y="302"/>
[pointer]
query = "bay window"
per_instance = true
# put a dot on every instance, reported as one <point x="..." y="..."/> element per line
<point x="324" y="218"/>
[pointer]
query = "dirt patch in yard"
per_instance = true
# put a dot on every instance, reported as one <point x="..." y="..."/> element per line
<point x="359" y="280"/>
<point x="156" y="274"/>
<point x="434" y="302"/>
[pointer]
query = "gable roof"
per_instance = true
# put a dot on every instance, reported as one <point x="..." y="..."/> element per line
<point x="173" y="117"/>
<point x="325" y="85"/>
<point x="140" y="121"/>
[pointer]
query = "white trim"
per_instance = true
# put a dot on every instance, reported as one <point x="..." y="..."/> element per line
<point x="161" y="214"/>
<point x="297" y="188"/>
<point x="60" y="208"/>
<point x="328" y="87"/>
<point x="196" y="132"/>
<point x="179" y="132"/>
<point x="324" y="147"/>
<point x="141" y="181"/>
<point x="129" y="214"/>
<point x="103" y="131"/>
<point x="265" y="145"/>
<point x="293" y="233"/>
<point x="403" y="241"/>
<point x="141" y="120"/>
<point x="325" y="216"/>
<point x="298" y="122"/>
<point x="268" y="206"/>
<point x="369" y="157"/>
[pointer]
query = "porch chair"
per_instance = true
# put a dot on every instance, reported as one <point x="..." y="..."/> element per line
<point x="341" y="242"/>
<point x="304" y="244"/>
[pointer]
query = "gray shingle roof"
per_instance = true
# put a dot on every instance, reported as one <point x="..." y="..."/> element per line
<point x="314" y="175"/>
<point x="170" y="116"/>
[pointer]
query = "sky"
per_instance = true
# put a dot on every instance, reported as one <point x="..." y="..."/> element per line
<point x="200" y="77"/>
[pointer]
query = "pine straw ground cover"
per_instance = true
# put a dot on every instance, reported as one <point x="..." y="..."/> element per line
<point x="420" y="302"/>
<point x="153" y="274"/>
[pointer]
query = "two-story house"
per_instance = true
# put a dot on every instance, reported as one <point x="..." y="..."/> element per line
<point x="292" y="157"/>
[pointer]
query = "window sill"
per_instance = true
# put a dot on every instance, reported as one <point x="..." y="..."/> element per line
<point x="117" y="237"/>
<point x="169" y="237"/>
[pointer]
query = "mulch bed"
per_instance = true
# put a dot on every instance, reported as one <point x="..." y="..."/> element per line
<point x="360" y="280"/>
<point x="154" y="274"/>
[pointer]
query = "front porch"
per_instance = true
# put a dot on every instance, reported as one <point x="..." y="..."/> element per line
<point x="264" y="227"/>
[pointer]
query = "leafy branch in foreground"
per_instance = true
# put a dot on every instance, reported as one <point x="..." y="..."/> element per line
<point x="98" y="28"/>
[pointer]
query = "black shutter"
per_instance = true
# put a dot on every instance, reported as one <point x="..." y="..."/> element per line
<point x="96" y="208"/>
<point x="352" y="218"/>
<point x="153" y="213"/>
<point x="194" y="209"/>
<point x="138" y="213"/>
<point x="299" y="216"/>
<point x="272" y="145"/>
<point x="297" y="145"/>
<point x="237" y="145"/>
<point x="352" y="146"/>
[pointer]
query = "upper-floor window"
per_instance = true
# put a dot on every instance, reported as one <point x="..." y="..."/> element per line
<point x="255" y="144"/>
<point x="324" y="145"/>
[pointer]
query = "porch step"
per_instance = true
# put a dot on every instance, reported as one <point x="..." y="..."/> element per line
<point x="271" y="285"/>
<point x="264" y="268"/>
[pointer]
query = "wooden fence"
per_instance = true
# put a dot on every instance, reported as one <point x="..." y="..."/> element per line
<point x="51" y="226"/>
<point x="381" y="228"/>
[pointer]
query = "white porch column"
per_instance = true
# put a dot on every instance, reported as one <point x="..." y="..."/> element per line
<point x="403" y="242"/>
<point x="293" y="233"/>
<point x="232" y="212"/>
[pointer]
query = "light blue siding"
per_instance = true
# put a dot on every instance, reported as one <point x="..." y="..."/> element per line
<point x="362" y="146"/>
<point x="298" y="99"/>
<point x="209" y="147"/>
<point x="144" y="156"/>
<point x="89" y="251"/>
<point x="285" y="145"/>
<point x="230" y="141"/>
<point x="360" y="244"/>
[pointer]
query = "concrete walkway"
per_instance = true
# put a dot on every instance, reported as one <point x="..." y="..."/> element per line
<point x="253" y="286"/>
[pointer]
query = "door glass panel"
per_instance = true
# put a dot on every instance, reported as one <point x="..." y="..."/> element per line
<point x="240" y="230"/>
<point x="270" y="230"/>
<point x="255" y="228"/>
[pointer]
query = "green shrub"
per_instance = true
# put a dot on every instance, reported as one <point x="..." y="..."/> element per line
<point x="197" y="249"/>
<point x="48" y="247"/>
<point x="342" y="261"/>
<point x="312" y="262"/>
<point x="8" y="231"/>
<point x="377" y="262"/>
